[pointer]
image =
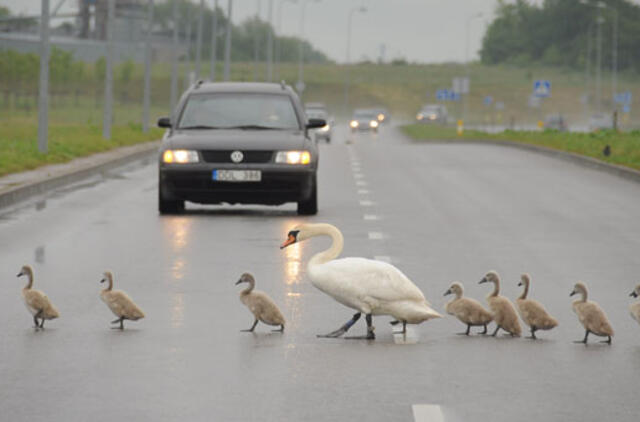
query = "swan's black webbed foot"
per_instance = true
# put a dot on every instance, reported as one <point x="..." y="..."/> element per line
<point x="583" y="341"/>
<point x="484" y="333"/>
<point x="121" y="326"/>
<point x="250" y="330"/>
<point x="340" y="331"/>
<point x="370" y="328"/>
<point x="607" y="341"/>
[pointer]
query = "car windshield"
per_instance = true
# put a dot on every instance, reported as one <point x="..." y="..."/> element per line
<point x="364" y="115"/>
<point x="238" y="111"/>
<point x="432" y="109"/>
<point x="316" y="114"/>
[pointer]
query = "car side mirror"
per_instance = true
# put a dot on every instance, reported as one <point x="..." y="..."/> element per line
<point x="164" y="122"/>
<point x="316" y="123"/>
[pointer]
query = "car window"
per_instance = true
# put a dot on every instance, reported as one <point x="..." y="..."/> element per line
<point x="230" y="110"/>
<point x="316" y="114"/>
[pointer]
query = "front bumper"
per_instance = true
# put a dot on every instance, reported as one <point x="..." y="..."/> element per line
<point x="194" y="183"/>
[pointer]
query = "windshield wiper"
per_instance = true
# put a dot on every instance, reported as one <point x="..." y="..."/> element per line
<point x="254" y="127"/>
<point x="200" y="127"/>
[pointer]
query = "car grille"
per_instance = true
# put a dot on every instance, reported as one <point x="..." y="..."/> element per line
<point x="225" y="156"/>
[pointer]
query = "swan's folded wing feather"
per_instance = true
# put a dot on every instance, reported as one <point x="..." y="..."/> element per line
<point x="370" y="278"/>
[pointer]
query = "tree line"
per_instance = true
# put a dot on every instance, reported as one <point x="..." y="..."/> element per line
<point x="562" y="33"/>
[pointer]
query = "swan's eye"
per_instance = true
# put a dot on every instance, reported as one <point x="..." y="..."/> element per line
<point x="294" y="233"/>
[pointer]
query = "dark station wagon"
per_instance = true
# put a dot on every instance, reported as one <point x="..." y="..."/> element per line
<point x="238" y="143"/>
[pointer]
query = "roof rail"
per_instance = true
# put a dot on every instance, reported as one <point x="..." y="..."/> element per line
<point x="283" y="84"/>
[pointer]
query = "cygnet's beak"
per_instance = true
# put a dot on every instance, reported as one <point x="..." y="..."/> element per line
<point x="573" y="292"/>
<point x="448" y="292"/>
<point x="484" y="280"/>
<point x="291" y="239"/>
<point x="238" y="282"/>
<point x="103" y="280"/>
<point x="20" y="274"/>
<point x="520" y="283"/>
<point x="633" y="294"/>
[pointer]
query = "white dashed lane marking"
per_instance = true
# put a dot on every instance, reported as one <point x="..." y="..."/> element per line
<point x="427" y="413"/>
<point x="383" y="258"/>
<point x="363" y="192"/>
<point x="370" y="217"/>
<point x="376" y="236"/>
<point x="361" y="183"/>
<point x="366" y="203"/>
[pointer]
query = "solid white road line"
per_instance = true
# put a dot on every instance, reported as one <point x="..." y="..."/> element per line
<point x="427" y="413"/>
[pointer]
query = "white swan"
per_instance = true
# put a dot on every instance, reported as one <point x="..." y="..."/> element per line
<point x="368" y="286"/>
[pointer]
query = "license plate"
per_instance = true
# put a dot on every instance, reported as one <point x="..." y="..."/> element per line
<point x="237" y="175"/>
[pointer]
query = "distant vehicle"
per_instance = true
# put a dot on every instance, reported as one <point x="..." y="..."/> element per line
<point x="326" y="131"/>
<point x="364" y="120"/>
<point x="433" y="113"/>
<point x="382" y="115"/>
<point x="315" y="106"/>
<point x="244" y="143"/>
<point x="555" y="122"/>
<point x="598" y="121"/>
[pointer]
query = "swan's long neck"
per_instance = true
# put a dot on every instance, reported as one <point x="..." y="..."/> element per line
<point x="252" y="285"/>
<point x="337" y="243"/>
<point x="30" y="275"/>
<point x="496" y="287"/>
<point x="583" y="295"/>
<point x="526" y="289"/>
<point x="458" y="294"/>
<point x="110" y="281"/>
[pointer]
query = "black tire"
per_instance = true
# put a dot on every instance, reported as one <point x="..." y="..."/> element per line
<point x="310" y="206"/>
<point x="169" y="206"/>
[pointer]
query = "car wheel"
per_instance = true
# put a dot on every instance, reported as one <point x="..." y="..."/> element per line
<point x="310" y="206"/>
<point x="166" y="206"/>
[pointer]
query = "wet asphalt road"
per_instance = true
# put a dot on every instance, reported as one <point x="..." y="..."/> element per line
<point x="440" y="212"/>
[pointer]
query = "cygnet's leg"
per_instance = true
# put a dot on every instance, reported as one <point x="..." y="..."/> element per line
<point x="466" y="333"/>
<point x="250" y="330"/>
<point x="35" y="319"/>
<point x="279" y="330"/>
<point x="496" y="331"/>
<point x="404" y="328"/>
<point x="586" y="334"/>
<point x="370" y="328"/>
<point x="340" y="331"/>
<point x="121" y="321"/>
<point x="533" y="333"/>
<point x="608" y="340"/>
<point x="485" y="330"/>
<point x="42" y="323"/>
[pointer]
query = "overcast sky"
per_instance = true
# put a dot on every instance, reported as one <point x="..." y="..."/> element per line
<point x="418" y="30"/>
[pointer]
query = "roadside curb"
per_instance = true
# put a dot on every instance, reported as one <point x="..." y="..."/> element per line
<point x="621" y="171"/>
<point x="63" y="174"/>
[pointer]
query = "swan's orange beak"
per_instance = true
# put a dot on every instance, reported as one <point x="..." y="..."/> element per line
<point x="291" y="239"/>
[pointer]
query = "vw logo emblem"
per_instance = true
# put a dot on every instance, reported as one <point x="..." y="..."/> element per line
<point x="237" y="156"/>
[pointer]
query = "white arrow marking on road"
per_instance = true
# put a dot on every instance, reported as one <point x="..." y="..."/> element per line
<point x="427" y="413"/>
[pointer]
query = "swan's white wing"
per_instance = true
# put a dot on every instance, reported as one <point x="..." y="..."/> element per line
<point x="360" y="277"/>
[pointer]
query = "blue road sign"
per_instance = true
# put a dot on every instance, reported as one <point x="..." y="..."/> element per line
<point x="488" y="100"/>
<point x="542" y="89"/>
<point x="442" y="94"/>
<point x="626" y="108"/>
<point x="623" y="98"/>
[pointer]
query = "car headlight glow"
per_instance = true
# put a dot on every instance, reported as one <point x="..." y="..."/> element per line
<point x="373" y="124"/>
<point x="420" y="116"/>
<point x="293" y="157"/>
<point x="180" y="156"/>
<point x="381" y="117"/>
<point x="325" y="128"/>
<point x="354" y="124"/>
<point x="432" y="117"/>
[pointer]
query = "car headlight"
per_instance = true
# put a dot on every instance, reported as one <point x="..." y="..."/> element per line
<point x="420" y="116"/>
<point x="432" y="117"/>
<point x="381" y="117"/>
<point x="354" y="124"/>
<point x="373" y="124"/>
<point x="180" y="156"/>
<point x="293" y="157"/>
<point x="325" y="128"/>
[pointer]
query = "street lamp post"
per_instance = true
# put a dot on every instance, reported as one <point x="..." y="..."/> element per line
<point x="270" y="41"/>
<point x="147" y="70"/>
<point x="174" y="58"/>
<point x="465" y="95"/>
<point x="227" y="44"/>
<point x="279" y="31"/>
<point x="199" y="40"/>
<point x="347" y="81"/>
<point x="256" y="42"/>
<point x="214" y="42"/>
<point x="300" y="85"/>
<point x="43" y="87"/>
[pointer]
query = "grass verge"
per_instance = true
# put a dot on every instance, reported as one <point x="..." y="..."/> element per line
<point x="19" y="144"/>
<point x="624" y="146"/>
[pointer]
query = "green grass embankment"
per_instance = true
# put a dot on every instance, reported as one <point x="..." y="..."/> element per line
<point x="624" y="146"/>
<point x="19" y="144"/>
